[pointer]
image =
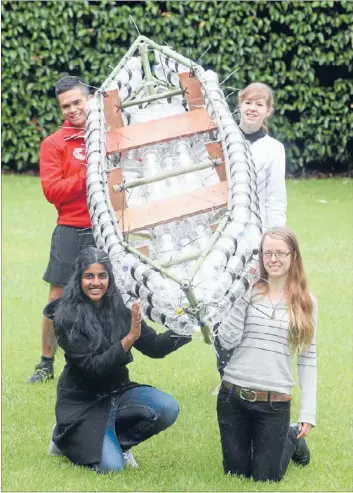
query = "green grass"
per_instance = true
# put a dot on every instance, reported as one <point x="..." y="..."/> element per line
<point x="187" y="457"/>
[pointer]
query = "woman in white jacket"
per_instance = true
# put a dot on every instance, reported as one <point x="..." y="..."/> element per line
<point x="255" y="106"/>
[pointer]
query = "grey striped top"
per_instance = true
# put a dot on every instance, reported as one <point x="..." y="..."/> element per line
<point x="262" y="360"/>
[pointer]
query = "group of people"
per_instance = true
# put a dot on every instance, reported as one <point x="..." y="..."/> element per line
<point x="100" y="413"/>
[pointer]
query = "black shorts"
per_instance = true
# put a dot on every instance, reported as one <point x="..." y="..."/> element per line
<point x="66" y="244"/>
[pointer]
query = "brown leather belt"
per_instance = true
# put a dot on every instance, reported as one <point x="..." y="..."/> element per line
<point x="257" y="395"/>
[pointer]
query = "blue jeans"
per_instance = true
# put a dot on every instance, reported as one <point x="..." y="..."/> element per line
<point x="256" y="438"/>
<point x="134" y="416"/>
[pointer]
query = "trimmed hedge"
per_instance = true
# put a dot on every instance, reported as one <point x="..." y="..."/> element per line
<point x="303" y="50"/>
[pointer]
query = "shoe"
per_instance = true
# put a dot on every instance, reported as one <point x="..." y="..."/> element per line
<point x="43" y="372"/>
<point x="53" y="450"/>
<point x="301" y="455"/>
<point x="129" y="460"/>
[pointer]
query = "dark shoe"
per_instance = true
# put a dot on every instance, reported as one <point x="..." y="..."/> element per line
<point x="301" y="455"/>
<point x="43" y="371"/>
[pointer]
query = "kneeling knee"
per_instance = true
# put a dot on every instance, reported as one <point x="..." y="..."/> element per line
<point x="168" y="413"/>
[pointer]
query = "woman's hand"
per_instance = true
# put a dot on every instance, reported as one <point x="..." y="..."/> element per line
<point x="304" y="429"/>
<point x="135" y="329"/>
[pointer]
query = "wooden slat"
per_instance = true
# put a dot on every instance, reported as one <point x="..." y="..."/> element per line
<point x="174" y="208"/>
<point x="214" y="226"/>
<point x="192" y="88"/>
<point x="117" y="199"/>
<point x="144" y="249"/>
<point x="215" y="151"/>
<point x="112" y="110"/>
<point x="162" y="130"/>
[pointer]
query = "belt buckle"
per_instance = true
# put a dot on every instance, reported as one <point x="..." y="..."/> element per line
<point x="245" y="398"/>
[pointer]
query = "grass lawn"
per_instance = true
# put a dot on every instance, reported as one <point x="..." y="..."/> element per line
<point x="187" y="457"/>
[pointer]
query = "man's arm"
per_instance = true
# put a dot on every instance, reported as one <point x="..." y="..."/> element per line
<point x="56" y="188"/>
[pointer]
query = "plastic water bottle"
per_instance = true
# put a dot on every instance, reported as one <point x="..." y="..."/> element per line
<point x="132" y="170"/>
<point x="168" y="164"/>
<point x="167" y="75"/>
<point x="186" y="239"/>
<point x="199" y="151"/>
<point x="165" y="244"/>
<point x="170" y="63"/>
<point x="188" y="181"/>
<point x="128" y="78"/>
<point x="152" y="168"/>
<point x="201" y="230"/>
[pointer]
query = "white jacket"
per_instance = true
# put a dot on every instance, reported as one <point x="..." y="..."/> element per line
<point x="270" y="161"/>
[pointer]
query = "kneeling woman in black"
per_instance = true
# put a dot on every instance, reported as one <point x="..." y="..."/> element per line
<point x="100" y="413"/>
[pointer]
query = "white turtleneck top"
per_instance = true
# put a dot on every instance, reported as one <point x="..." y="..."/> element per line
<point x="270" y="162"/>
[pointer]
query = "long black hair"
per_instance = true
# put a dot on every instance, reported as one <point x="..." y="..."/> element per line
<point x="77" y="318"/>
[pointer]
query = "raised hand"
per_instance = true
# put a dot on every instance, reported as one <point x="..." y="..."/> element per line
<point x="135" y="330"/>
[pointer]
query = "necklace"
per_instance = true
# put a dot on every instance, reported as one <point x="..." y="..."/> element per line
<point x="274" y="308"/>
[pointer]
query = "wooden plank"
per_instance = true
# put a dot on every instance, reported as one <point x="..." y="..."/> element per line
<point x="214" y="226"/>
<point x="144" y="249"/>
<point x="176" y="207"/>
<point x="192" y="87"/>
<point x="117" y="199"/>
<point x="215" y="151"/>
<point x="112" y="110"/>
<point x="162" y="130"/>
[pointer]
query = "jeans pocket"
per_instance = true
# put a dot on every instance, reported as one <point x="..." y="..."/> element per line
<point x="279" y="407"/>
<point x="224" y="395"/>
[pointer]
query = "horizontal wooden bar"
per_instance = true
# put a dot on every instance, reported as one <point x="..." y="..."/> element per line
<point x="161" y="130"/>
<point x="173" y="208"/>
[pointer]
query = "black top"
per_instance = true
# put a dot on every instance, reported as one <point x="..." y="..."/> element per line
<point x="89" y="378"/>
<point x="254" y="136"/>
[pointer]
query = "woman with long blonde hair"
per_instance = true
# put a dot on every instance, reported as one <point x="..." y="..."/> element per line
<point x="255" y="103"/>
<point x="254" y="399"/>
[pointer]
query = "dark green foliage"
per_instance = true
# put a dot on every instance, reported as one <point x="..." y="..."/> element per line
<point x="303" y="50"/>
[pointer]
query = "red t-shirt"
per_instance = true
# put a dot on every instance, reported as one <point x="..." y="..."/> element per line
<point x="62" y="165"/>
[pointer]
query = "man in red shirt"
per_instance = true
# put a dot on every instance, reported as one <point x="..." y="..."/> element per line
<point x="62" y="163"/>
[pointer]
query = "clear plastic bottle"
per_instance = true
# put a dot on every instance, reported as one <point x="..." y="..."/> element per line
<point x="201" y="230"/>
<point x="128" y="78"/>
<point x="168" y="164"/>
<point x="152" y="168"/>
<point x="165" y="243"/>
<point x="186" y="237"/>
<point x="170" y="63"/>
<point x="165" y="74"/>
<point x="183" y="157"/>
<point x="182" y="325"/>
<point x="132" y="170"/>
<point x="198" y="147"/>
<point x="165" y="293"/>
